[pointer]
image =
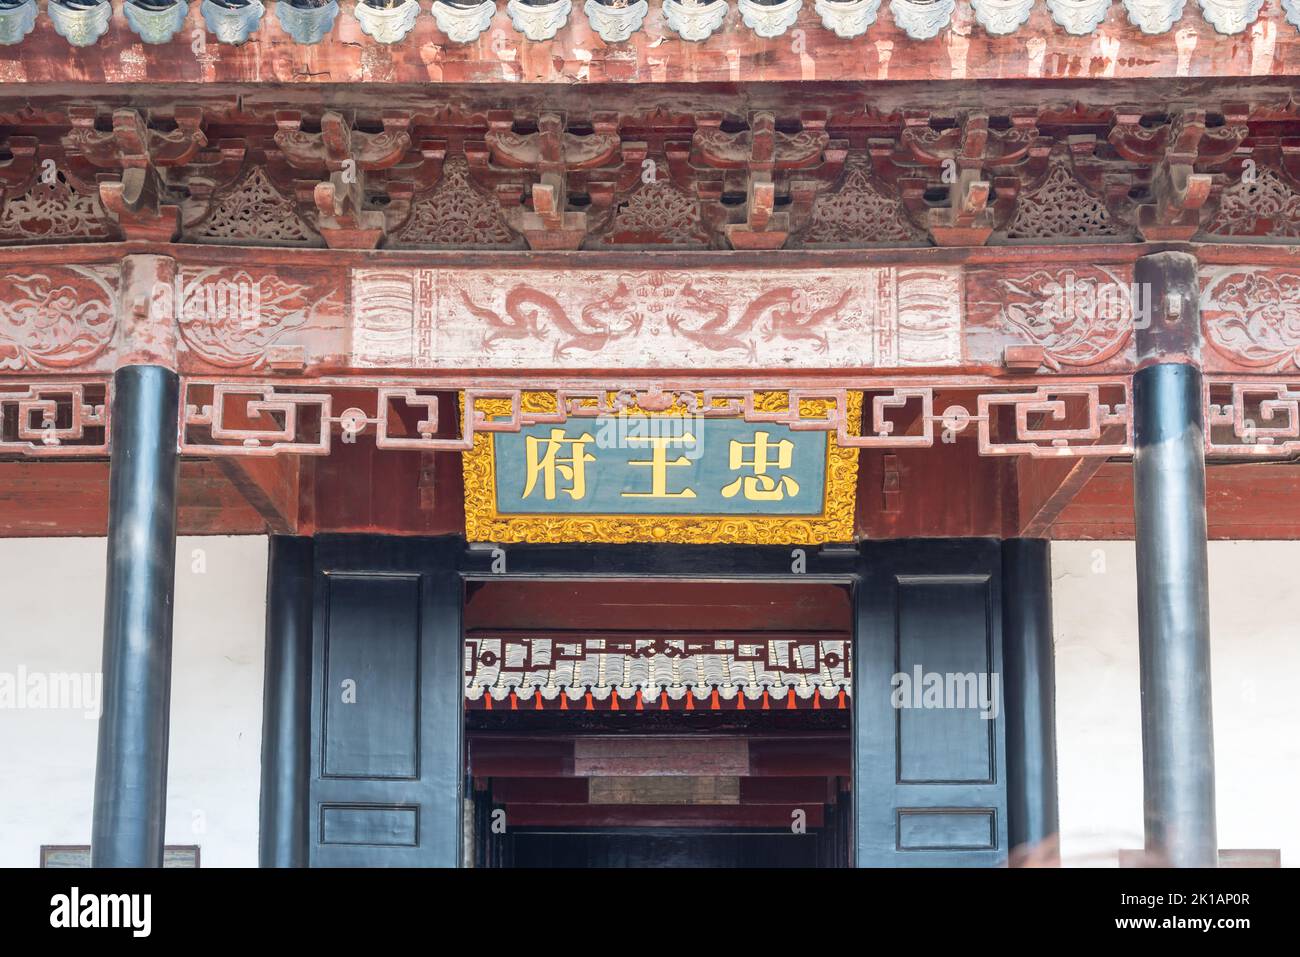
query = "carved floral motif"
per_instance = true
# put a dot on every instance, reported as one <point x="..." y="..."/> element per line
<point x="859" y="214"/>
<point x="847" y="18"/>
<point x="1060" y="207"/>
<point x="56" y="317"/>
<point x="1078" y="17"/>
<point x="1079" y="315"/>
<point x="463" y="22"/>
<point x="80" y="25"/>
<point x="229" y="316"/>
<point x="17" y="21"/>
<point x="386" y="24"/>
<point x="253" y="211"/>
<point x="457" y="213"/>
<point x="539" y="21"/>
<point x="615" y="24"/>
<point x="1252" y="314"/>
<point x="922" y="19"/>
<point x="1230" y="16"/>
<point x="769" y="19"/>
<point x="694" y="21"/>
<point x="155" y="24"/>
<point x="50" y="212"/>
<point x="1269" y="206"/>
<point x="1001" y="17"/>
<point x="657" y="214"/>
<point x="1154" y="16"/>
<point x="307" y="25"/>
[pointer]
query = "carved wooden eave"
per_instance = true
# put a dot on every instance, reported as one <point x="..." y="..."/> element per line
<point x="837" y="40"/>
<point x="665" y="177"/>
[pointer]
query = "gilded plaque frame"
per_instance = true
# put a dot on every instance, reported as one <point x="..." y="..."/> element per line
<point x="835" y="523"/>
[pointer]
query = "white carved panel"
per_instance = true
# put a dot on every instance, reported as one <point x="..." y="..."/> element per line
<point x="888" y="317"/>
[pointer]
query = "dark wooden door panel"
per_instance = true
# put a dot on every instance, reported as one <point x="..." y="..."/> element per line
<point x="386" y="703"/>
<point x="930" y="785"/>
<point x="386" y="787"/>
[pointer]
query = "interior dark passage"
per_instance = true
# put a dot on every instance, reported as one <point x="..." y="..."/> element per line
<point x="657" y="723"/>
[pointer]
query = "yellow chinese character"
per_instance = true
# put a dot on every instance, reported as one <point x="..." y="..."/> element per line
<point x="658" y="464"/>
<point x="761" y="487"/>
<point x="550" y="464"/>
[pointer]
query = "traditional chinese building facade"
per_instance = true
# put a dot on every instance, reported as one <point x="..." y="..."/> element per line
<point x="681" y="384"/>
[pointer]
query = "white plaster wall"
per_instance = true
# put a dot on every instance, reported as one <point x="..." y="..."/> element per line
<point x="1255" y="662"/>
<point x="51" y="620"/>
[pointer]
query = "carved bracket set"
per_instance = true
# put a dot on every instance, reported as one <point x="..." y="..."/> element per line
<point x="763" y="180"/>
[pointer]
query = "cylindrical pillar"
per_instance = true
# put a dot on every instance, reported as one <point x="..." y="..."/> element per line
<point x="1172" y="568"/>
<point x="286" y="705"/>
<point x="1174" y="616"/>
<point x="1029" y="688"/>
<point x="131" y="766"/>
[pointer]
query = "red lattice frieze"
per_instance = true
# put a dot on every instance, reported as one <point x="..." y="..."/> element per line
<point x="51" y="419"/>
<point x="1069" y="418"/>
<point x="1252" y="419"/>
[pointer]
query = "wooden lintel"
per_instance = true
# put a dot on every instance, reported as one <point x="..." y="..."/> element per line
<point x="70" y="498"/>
<point x="1245" y="501"/>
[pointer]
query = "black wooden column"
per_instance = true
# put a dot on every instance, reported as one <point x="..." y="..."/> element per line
<point x="131" y="767"/>
<point x="286" y="705"/>
<point x="1029" y="686"/>
<point x="1172" y="569"/>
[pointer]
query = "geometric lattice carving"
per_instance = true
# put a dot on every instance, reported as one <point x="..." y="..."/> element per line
<point x="253" y="211"/>
<point x="457" y="213"/>
<point x="52" y="212"/>
<point x="859" y="214"/>
<point x="1060" y="207"/>
<point x="1251" y="419"/>
<point x="1266" y="207"/>
<point x="657" y="214"/>
<point x="54" y="419"/>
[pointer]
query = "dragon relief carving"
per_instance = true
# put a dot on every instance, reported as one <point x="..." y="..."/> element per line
<point x="527" y="310"/>
<point x="783" y="313"/>
<point x="653" y="304"/>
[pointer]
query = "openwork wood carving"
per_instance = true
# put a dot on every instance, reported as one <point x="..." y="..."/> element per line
<point x="54" y="418"/>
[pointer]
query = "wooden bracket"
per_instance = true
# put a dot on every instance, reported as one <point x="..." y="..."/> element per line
<point x="1180" y="151"/>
